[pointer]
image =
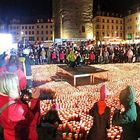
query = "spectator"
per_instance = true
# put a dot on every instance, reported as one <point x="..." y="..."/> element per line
<point x="43" y="56"/>
<point x="54" y="57"/>
<point x="18" y="120"/>
<point x="71" y="58"/>
<point x="62" y="56"/>
<point x="13" y="66"/>
<point x="91" y="57"/>
<point x="101" y="114"/>
<point x="126" y="119"/>
<point x="4" y="57"/>
<point x="49" y="124"/>
<point x="27" y="62"/>
<point x="130" y="55"/>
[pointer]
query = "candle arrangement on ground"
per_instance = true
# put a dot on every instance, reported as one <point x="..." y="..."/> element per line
<point x="74" y="103"/>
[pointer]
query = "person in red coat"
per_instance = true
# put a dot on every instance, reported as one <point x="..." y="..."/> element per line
<point x="18" y="120"/>
<point x="101" y="114"/>
<point x="13" y="66"/>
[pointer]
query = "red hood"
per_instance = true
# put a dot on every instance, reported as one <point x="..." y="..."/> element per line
<point x="101" y="107"/>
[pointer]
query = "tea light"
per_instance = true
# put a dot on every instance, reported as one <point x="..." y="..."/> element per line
<point x="64" y="136"/>
<point x="109" y="134"/>
<point x="118" y="137"/>
<point x="70" y="135"/>
<point x="112" y="137"/>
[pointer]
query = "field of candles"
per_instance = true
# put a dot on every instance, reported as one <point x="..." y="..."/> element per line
<point x="74" y="102"/>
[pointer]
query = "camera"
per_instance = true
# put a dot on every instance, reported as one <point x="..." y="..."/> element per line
<point x="26" y="95"/>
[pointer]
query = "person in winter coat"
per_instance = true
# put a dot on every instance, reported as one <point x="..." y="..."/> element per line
<point x="54" y="57"/>
<point x="91" y="57"/>
<point x="62" y="56"/>
<point x="17" y="120"/>
<point x="126" y="119"/>
<point x="49" y="124"/>
<point x="27" y="62"/>
<point x="101" y="118"/>
<point x="4" y="57"/>
<point x="13" y="66"/>
<point x="130" y="55"/>
<point x="71" y="59"/>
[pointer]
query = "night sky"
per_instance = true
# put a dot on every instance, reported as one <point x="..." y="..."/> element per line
<point x="119" y="6"/>
<point x="29" y="8"/>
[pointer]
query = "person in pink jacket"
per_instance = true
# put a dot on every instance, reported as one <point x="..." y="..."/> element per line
<point x="62" y="57"/>
<point x="18" y="120"/>
<point x="54" y="57"/>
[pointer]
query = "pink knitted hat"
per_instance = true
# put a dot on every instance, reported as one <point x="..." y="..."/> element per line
<point x="103" y="92"/>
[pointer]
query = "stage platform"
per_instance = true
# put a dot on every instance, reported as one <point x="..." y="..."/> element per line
<point x="82" y="71"/>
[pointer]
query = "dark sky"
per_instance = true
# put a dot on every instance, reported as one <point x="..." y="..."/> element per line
<point x="28" y="8"/>
<point x="119" y="6"/>
<point x="11" y="8"/>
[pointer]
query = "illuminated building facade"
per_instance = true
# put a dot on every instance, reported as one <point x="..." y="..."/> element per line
<point x="108" y="27"/>
<point x="132" y="26"/>
<point x="73" y="19"/>
<point x="39" y="30"/>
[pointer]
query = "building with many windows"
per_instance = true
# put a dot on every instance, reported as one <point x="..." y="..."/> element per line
<point x="32" y="31"/>
<point x="108" y="27"/>
<point x="74" y="20"/>
<point x="132" y="26"/>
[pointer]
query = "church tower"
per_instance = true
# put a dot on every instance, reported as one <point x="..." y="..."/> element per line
<point x="73" y="19"/>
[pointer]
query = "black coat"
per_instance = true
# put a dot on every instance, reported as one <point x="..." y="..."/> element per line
<point x="48" y="128"/>
<point x="101" y="122"/>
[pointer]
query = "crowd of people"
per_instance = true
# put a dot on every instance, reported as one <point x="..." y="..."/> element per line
<point x="86" y="54"/>
<point x="19" y="118"/>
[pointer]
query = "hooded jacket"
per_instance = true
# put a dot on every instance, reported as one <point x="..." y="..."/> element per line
<point x="126" y="119"/>
<point x="101" y="118"/>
